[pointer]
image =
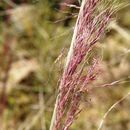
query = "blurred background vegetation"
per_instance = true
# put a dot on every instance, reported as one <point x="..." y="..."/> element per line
<point x="34" y="38"/>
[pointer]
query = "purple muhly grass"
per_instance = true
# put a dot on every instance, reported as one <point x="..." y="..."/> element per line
<point x="92" y="21"/>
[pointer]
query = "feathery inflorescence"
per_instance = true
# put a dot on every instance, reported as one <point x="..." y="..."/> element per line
<point x="93" y="18"/>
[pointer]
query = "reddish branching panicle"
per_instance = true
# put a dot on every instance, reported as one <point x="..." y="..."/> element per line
<point x="91" y="25"/>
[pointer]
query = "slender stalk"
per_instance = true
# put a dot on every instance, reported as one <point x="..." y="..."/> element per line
<point x="111" y="108"/>
<point x="54" y="114"/>
<point x="70" y="53"/>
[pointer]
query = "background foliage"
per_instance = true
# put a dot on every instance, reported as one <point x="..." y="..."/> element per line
<point x="34" y="38"/>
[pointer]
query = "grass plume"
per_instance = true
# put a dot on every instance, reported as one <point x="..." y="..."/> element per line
<point x="93" y="19"/>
